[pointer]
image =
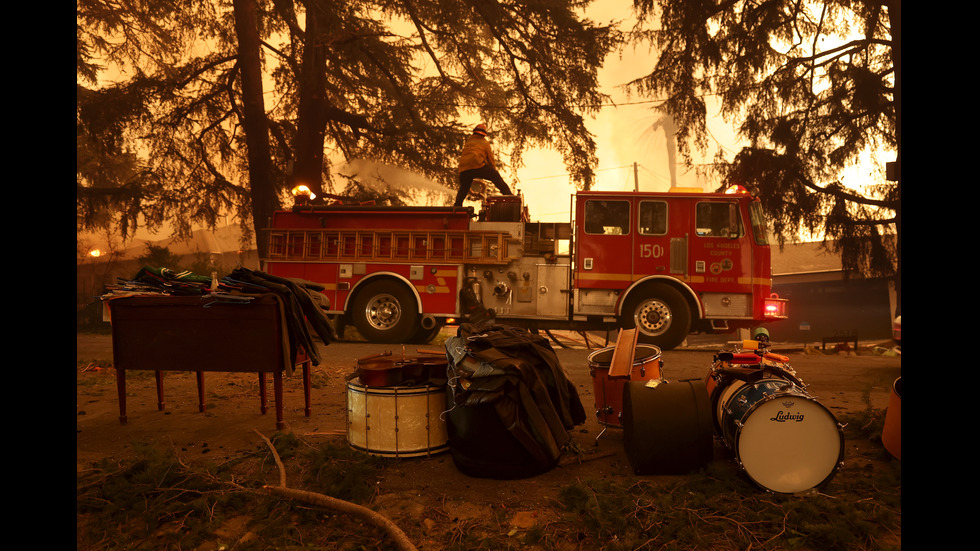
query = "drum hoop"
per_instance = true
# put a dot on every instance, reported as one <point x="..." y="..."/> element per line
<point x="407" y="453"/>
<point x="637" y="360"/>
<point x="766" y="398"/>
<point x="398" y="390"/>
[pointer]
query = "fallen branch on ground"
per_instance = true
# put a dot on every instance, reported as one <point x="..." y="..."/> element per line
<point x="381" y="521"/>
<point x="401" y="540"/>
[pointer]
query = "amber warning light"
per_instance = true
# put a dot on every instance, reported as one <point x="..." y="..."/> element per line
<point x="302" y="194"/>
<point x="776" y="308"/>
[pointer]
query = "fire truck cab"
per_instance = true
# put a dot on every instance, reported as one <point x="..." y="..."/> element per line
<point x="668" y="264"/>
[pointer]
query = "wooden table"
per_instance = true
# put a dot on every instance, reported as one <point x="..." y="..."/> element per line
<point x="191" y="333"/>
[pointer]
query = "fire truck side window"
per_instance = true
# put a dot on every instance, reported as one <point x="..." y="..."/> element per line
<point x="715" y="220"/>
<point x="653" y="218"/>
<point x="759" y="229"/>
<point x="607" y="217"/>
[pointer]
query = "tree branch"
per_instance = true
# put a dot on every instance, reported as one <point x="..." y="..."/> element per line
<point x="837" y="52"/>
<point x="381" y="521"/>
<point x="837" y="190"/>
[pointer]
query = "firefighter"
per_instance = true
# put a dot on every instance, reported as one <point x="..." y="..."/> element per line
<point x="476" y="161"/>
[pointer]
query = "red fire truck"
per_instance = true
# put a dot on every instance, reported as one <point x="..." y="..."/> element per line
<point x="669" y="264"/>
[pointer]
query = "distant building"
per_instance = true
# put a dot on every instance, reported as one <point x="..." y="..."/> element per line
<point x="822" y="303"/>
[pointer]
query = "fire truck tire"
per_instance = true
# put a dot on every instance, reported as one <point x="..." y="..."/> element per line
<point x="660" y="314"/>
<point x="385" y="312"/>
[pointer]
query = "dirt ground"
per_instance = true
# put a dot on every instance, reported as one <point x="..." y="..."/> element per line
<point x="410" y="492"/>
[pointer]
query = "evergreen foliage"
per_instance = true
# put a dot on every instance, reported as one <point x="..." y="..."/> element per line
<point x="399" y="82"/>
<point x="812" y="86"/>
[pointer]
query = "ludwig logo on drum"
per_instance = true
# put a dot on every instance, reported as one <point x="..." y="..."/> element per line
<point x="783" y="417"/>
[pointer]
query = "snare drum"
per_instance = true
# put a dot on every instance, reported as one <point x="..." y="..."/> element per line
<point x="783" y="439"/>
<point x="396" y="421"/>
<point x="647" y="365"/>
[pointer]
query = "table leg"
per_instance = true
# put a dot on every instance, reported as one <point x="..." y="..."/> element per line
<point x="262" y="395"/>
<point x="306" y="385"/>
<point x="200" y="391"/>
<point x="277" y="388"/>
<point x="121" y="390"/>
<point x="160" y="402"/>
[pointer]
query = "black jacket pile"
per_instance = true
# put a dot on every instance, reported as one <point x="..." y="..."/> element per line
<point x="514" y="375"/>
<point x="302" y="300"/>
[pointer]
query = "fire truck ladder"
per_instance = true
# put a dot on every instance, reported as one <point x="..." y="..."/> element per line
<point x="303" y="245"/>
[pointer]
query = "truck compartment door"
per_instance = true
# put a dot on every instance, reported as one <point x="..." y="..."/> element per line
<point x="552" y="290"/>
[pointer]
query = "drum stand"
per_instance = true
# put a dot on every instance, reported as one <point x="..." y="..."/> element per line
<point x="605" y="426"/>
<point x="619" y="367"/>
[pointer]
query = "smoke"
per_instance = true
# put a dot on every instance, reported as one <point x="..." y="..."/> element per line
<point x="654" y="146"/>
<point x="382" y="176"/>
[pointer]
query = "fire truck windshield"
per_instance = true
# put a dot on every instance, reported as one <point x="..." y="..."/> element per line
<point x="759" y="230"/>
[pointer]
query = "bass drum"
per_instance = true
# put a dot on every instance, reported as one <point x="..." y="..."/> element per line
<point x="667" y="426"/>
<point x="609" y="390"/>
<point x="396" y="421"/>
<point x="784" y="440"/>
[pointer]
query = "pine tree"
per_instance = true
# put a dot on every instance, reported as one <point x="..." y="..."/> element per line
<point x="812" y="86"/>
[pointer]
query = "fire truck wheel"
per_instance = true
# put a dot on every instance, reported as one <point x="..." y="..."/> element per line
<point x="661" y="314"/>
<point x="385" y="312"/>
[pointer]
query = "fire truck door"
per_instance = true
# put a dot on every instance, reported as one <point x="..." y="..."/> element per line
<point x="720" y="253"/>
<point x="604" y="244"/>
<point x="658" y="248"/>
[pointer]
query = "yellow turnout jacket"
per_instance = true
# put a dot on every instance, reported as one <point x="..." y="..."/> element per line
<point x="476" y="153"/>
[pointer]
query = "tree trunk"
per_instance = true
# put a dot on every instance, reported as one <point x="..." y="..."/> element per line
<point x="255" y="123"/>
<point x="895" y="17"/>
<point x="310" y="125"/>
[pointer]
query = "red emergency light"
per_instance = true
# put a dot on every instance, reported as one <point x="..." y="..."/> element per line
<point x="775" y="307"/>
